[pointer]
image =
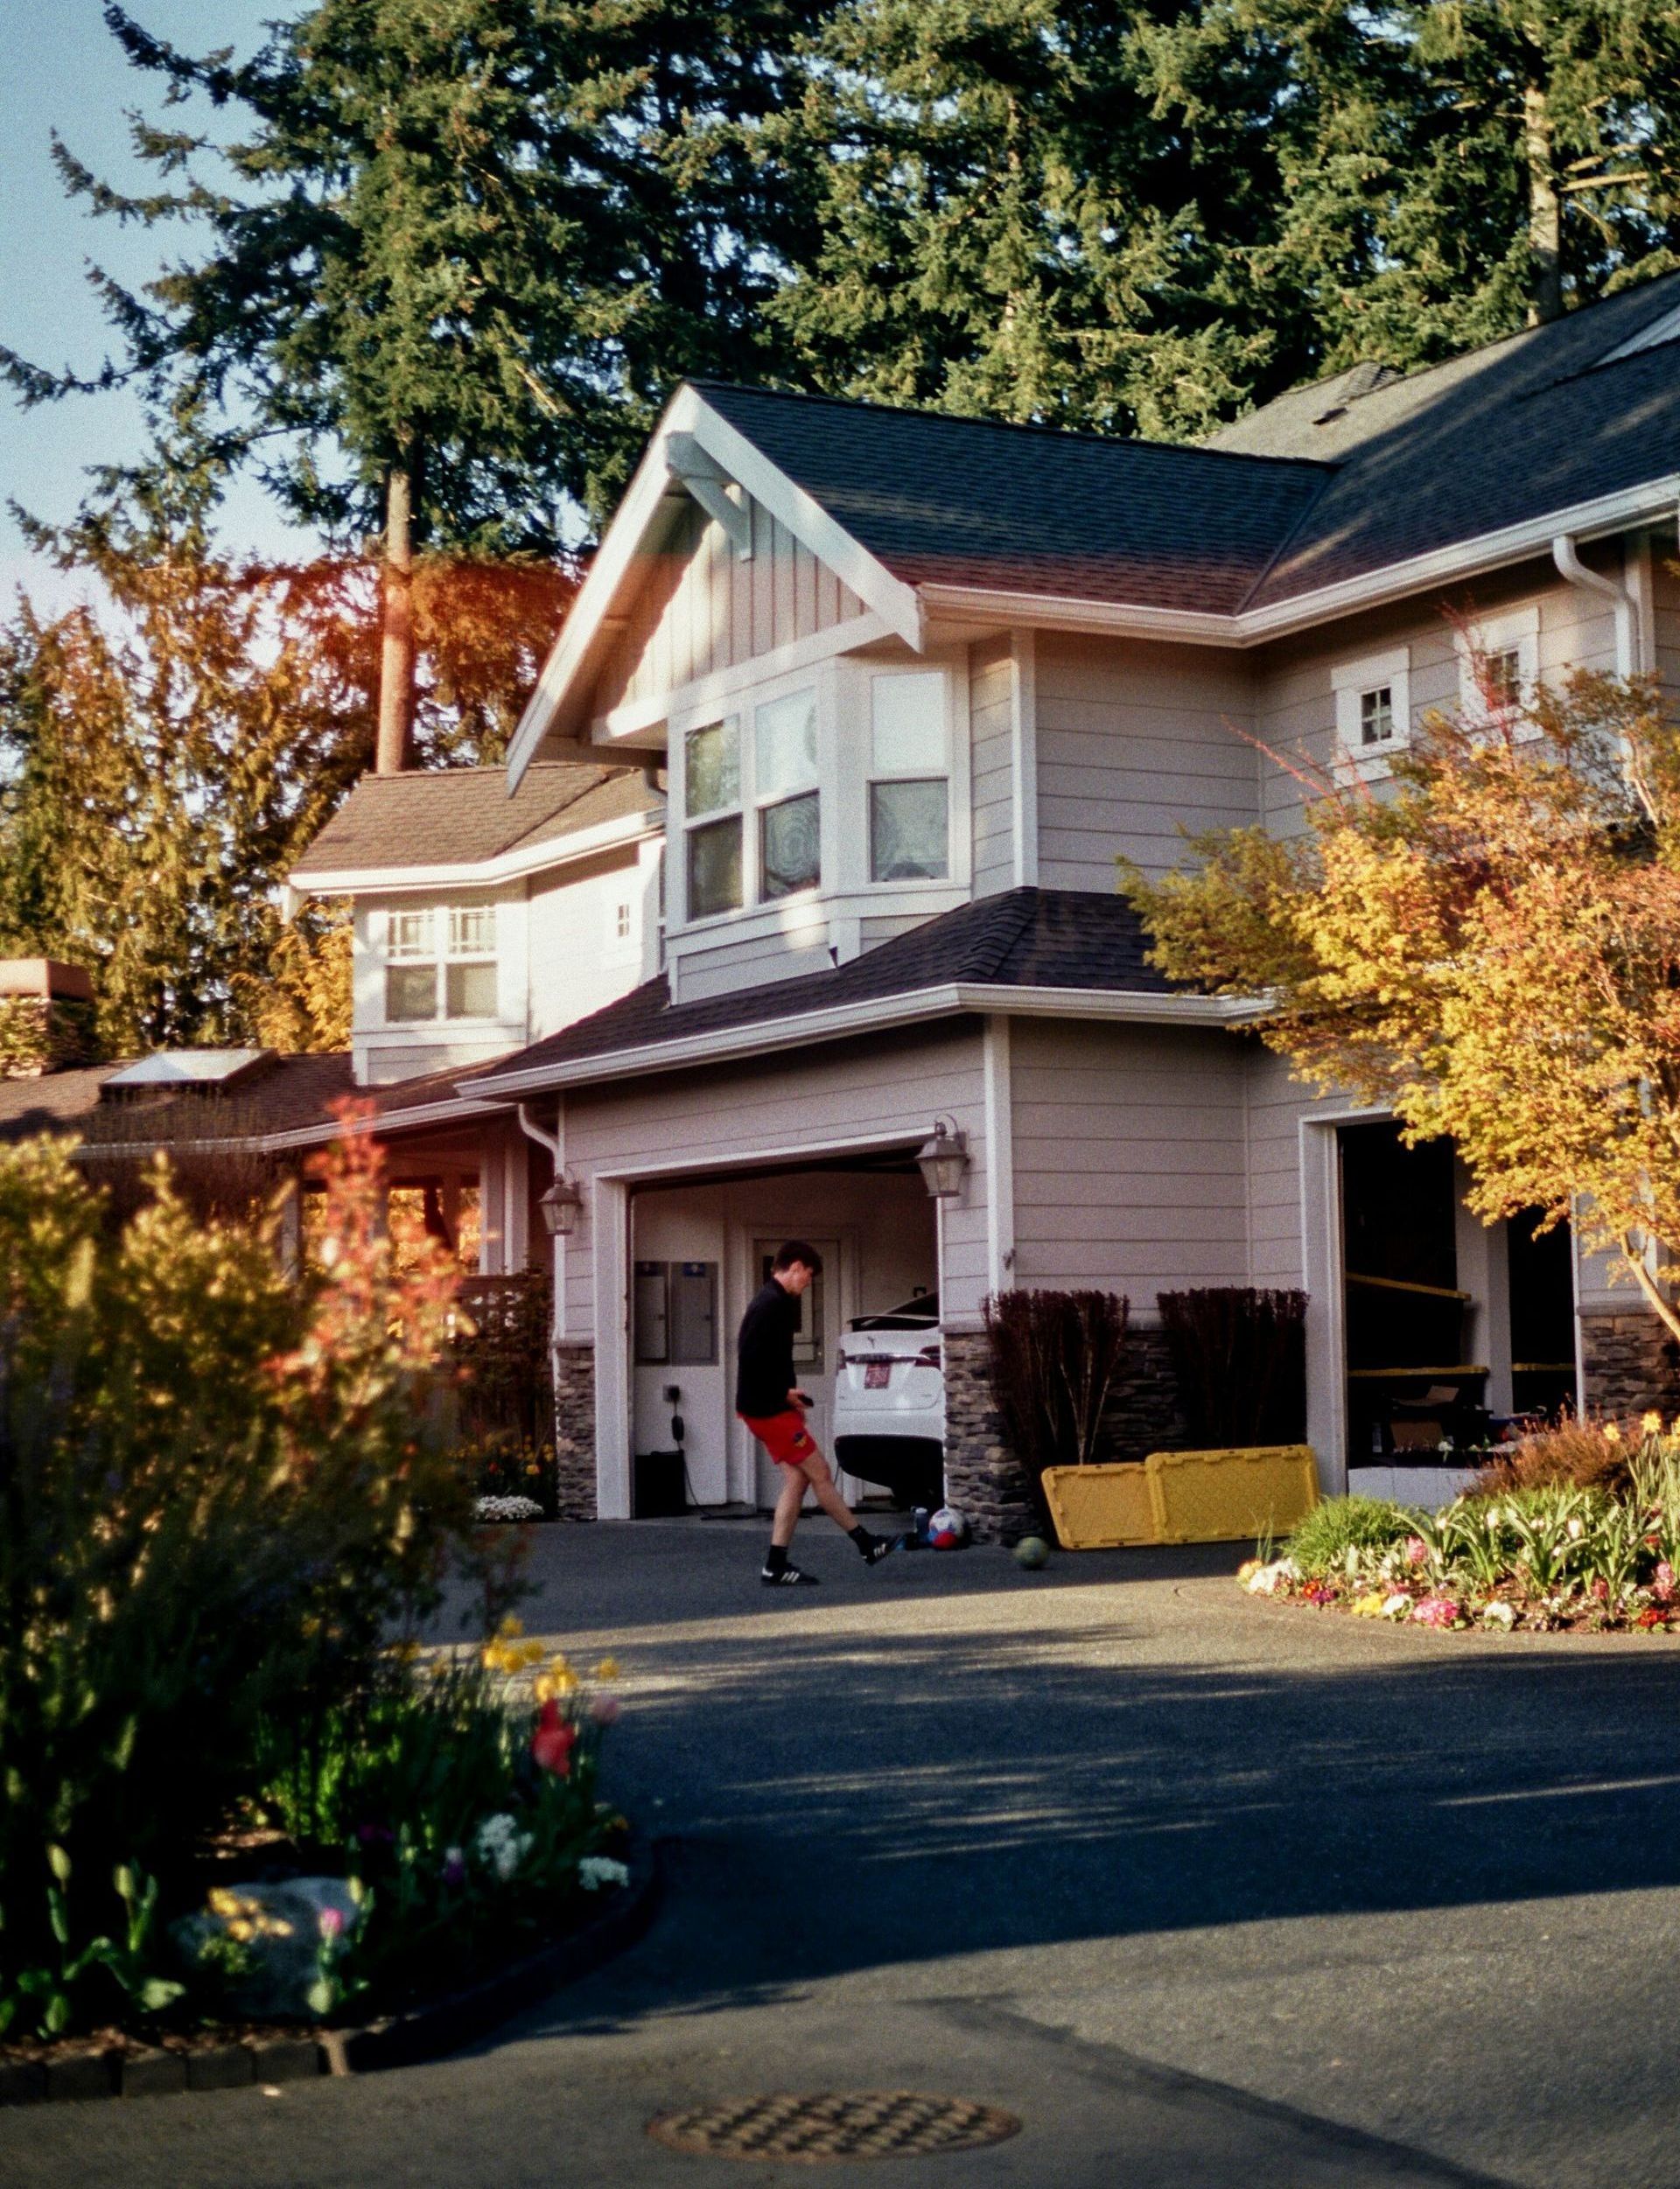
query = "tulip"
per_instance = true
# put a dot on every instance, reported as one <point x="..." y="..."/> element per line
<point x="553" y="1741"/>
<point x="605" y="1709"/>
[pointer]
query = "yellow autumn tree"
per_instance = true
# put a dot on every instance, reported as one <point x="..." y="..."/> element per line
<point x="1487" y="945"/>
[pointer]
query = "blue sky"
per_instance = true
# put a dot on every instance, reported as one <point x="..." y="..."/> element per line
<point x="65" y="72"/>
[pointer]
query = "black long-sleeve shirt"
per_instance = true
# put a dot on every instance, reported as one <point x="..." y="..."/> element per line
<point x="763" y="1353"/>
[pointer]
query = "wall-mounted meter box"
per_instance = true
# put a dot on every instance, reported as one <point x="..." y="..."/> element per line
<point x="650" y="1312"/>
<point x="694" y="1313"/>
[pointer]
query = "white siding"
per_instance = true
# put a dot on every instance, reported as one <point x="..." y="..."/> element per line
<point x="1276" y="1105"/>
<point x="743" y="963"/>
<point x="992" y="727"/>
<point x="578" y="961"/>
<point x="1665" y="600"/>
<point x="1132" y="740"/>
<point x="701" y="609"/>
<point x="1131" y="1158"/>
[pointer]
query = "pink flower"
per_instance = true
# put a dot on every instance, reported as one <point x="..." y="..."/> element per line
<point x="1663" y="1581"/>
<point x="332" y="1924"/>
<point x="1416" y="1550"/>
<point x="1435" y="1610"/>
<point x="606" y="1709"/>
<point x="553" y="1741"/>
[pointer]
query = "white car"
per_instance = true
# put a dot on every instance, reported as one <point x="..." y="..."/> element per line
<point x="889" y="1401"/>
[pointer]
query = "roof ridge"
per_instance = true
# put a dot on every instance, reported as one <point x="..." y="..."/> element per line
<point x="1021" y="902"/>
<point x="1085" y="434"/>
<point x="600" y="771"/>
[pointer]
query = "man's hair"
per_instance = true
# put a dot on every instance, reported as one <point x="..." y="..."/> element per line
<point x="796" y="1250"/>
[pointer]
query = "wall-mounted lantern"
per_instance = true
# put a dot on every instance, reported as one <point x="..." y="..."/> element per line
<point x="561" y="1205"/>
<point x="943" y="1159"/>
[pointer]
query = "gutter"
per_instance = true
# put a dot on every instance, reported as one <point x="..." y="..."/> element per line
<point x="1623" y="605"/>
<point x="916" y="1007"/>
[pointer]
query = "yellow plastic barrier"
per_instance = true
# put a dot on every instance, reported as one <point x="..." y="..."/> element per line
<point x="1212" y="1497"/>
<point x="1100" y="1508"/>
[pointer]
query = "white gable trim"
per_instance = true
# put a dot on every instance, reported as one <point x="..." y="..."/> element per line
<point x="507" y="866"/>
<point x="691" y="429"/>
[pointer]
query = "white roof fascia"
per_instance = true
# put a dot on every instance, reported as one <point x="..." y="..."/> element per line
<point x="457" y="1109"/>
<point x="987" y="603"/>
<point x="1118" y="1005"/>
<point x="507" y="866"/>
<point x="691" y="422"/>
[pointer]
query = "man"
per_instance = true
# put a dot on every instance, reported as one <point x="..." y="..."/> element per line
<point x="772" y="1406"/>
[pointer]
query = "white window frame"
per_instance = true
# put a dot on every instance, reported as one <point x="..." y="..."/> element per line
<point x="444" y="950"/>
<point x="743" y="704"/>
<point x="740" y="712"/>
<point x="1350" y="682"/>
<point x="763" y="800"/>
<point x="1514" y="630"/>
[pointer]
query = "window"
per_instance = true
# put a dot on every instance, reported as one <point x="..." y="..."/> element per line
<point x="460" y="982"/>
<point x="621" y="922"/>
<point x="1373" y="707"/>
<point x="1499" y="665"/>
<point x="790" y="821"/>
<point x="909" y="791"/>
<point x="712" y="760"/>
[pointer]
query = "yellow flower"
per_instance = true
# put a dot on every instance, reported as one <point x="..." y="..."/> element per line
<point x="240" y="1928"/>
<point x="511" y="1628"/>
<point x="542" y="1687"/>
<point x="530" y="1653"/>
<point x="405" y="1651"/>
<point x="565" y="1682"/>
<point x="1650" y="1423"/>
<point x="1612" y="1434"/>
<point x="558" y="1662"/>
<point x="607" y="1668"/>
<point x="1368" y="1606"/>
<point x="221" y="1902"/>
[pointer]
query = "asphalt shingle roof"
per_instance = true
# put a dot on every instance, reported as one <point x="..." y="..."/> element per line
<point x="1507" y="434"/>
<point x="1032" y="938"/>
<point x="463" y="816"/>
<point x="965" y="502"/>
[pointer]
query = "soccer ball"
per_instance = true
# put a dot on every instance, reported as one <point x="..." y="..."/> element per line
<point x="947" y="1529"/>
<point x="1031" y="1553"/>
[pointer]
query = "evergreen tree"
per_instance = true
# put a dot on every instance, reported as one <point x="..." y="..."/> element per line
<point x="468" y="247"/>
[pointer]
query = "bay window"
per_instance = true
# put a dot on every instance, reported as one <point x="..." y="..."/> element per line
<point x="711" y="763"/>
<point x="789" y="810"/>
<point x="909" y="788"/>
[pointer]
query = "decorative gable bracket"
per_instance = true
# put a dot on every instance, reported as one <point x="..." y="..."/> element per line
<point x="709" y="483"/>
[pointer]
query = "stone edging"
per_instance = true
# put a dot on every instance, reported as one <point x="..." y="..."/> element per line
<point x="397" y="2040"/>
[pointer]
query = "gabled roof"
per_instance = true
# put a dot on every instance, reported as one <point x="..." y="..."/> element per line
<point x="464" y="817"/>
<point x="1546" y="420"/>
<point x="939" y="501"/>
<point x="1072" y="941"/>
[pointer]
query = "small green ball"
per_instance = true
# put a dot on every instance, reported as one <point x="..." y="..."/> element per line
<point x="1031" y="1553"/>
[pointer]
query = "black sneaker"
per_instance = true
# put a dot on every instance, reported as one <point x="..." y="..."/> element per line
<point x="790" y="1576"/>
<point x="882" y="1547"/>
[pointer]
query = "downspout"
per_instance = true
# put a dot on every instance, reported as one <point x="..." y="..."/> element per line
<point x="551" y="1141"/>
<point x="1624" y="606"/>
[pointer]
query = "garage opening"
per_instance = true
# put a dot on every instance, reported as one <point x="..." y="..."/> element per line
<point x="699" y="1250"/>
<point x="1452" y="1327"/>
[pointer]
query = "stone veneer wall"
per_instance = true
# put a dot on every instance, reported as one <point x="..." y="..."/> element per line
<point x="1630" y="1362"/>
<point x="984" y="1478"/>
<point x="574" y="1429"/>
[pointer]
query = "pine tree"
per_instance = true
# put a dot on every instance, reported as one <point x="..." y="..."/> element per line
<point x="466" y="247"/>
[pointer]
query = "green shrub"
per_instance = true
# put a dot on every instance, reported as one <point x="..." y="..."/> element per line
<point x="218" y="1489"/>
<point x="1365" y="1525"/>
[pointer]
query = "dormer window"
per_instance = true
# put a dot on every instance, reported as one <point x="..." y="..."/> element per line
<point x="909" y="785"/>
<point x="423" y="981"/>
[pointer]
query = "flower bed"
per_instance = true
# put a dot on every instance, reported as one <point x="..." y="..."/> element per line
<point x="1576" y="1531"/>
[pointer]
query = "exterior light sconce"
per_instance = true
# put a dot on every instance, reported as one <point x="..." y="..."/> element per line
<point x="942" y="1160"/>
<point x="561" y="1205"/>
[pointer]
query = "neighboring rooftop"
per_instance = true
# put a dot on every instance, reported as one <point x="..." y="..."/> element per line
<point x="463" y="816"/>
<point x="1027" y="938"/>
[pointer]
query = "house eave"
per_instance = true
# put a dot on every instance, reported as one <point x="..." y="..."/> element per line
<point x="507" y="866"/>
<point x="837" y="1023"/>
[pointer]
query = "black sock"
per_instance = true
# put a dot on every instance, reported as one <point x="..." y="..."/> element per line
<point x="775" y="1559"/>
<point x="861" y="1537"/>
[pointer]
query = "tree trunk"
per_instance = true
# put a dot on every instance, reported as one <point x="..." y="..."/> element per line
<point x="394" y="749"/>
<point x="1545" y="211"/>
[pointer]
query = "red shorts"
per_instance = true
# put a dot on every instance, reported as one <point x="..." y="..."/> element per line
<point x="783" y="1436"/>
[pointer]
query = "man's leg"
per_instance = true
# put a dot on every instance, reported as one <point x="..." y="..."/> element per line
<point x="871" y="1548"/>
<point x="790" y="1501"/>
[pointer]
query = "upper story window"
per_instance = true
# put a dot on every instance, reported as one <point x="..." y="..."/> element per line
<point x="766" y="778"/>
<point x="440" y="963"/>
<point x="1373" y="707"/>
<point x="1499" y="665"/>
<point x="909" y="781"/>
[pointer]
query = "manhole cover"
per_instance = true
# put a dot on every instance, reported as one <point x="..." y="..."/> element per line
<point x="835" y="2124"/>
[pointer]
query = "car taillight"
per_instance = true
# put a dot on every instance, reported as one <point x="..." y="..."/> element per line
<point x="928" y="1357"/>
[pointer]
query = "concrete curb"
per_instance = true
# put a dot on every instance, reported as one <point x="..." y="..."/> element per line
<point x="395" y="2040"/>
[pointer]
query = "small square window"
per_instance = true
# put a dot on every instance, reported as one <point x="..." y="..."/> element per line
<point x="1503" y="673"/>
<point x="789" y="846"/>
<point x="1376" y="717"/>
<point x="715" y="867"/>
<point x="410" y="993"/>
<point x="621" y="922"/>
<point x="909" y="832"/>
<point x="470" y="991"/>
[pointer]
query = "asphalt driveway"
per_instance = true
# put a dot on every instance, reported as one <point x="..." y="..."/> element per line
<point x="1208" y="1891"/>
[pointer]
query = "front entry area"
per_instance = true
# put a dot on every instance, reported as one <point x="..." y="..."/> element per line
<point x="700" y="1249"/>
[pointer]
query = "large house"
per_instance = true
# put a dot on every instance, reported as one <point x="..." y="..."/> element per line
<point x="805" y="851"/>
